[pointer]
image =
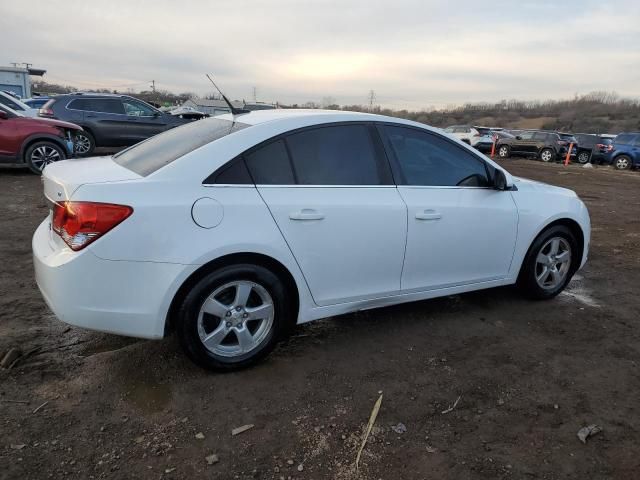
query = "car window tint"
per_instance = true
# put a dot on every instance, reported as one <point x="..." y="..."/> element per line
<point x="430" y="160"/>
<point x="335" y="155"/>
<point x="104" y="105"/>
<point x="233" y="173"/>
<point x="526" y="135"/>
<point x="540" y="136"/>
<point x="134" y="108"/>
<point x="270" y="165"/>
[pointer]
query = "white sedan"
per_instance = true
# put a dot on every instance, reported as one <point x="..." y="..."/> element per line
<point x="232" y="229"/>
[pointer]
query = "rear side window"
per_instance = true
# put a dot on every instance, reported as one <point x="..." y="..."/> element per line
<point x="270" y="165"/>
<point x="154" y="153"/>
<point x="625" y="138"/>
<point x="5" y="100"/>
<point x="100" y="105"/>
<point x="336" y="155"/>
<point x="540" y="136"/>
<point x="429" y="160"/>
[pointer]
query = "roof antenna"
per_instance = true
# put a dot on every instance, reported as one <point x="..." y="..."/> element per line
<point x="234" y="110"/>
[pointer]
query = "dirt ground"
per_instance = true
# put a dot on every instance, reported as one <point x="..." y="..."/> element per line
<point x="528" y="376"/>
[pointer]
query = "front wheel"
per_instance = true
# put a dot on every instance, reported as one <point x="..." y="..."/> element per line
<point x="549" y="264"/>
<point x="622" y="162"/>
<point x="233" y="317"/>
<point x="42" y="153"/>
<point x="503" y="151"/>
<point x="547" y="155"/>
<point x="84" y="144"/>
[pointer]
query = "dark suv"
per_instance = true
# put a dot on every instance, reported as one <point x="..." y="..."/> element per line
<point x="547" y="146"/>
<point x="593" y="148"/>
<point x="109" y="120"/>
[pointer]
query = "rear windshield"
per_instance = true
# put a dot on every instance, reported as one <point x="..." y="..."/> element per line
<point x="154" y="153"/>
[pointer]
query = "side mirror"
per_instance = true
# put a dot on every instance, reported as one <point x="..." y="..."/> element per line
<point x="518" y="137"/>
<point x="3" y="115"/>
<point x="500" y="180"/>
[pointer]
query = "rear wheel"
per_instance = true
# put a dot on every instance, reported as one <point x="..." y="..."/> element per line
<point x="622" y="162"/>
<point x="84" y="144"/>
<point x="547" y="155"/>
<point x="503" y="151"/>
<point x="549" y="264"/>
<point x="583" y="157"/>
<point x="233" y="317"/>
<point x="42" y="153"/>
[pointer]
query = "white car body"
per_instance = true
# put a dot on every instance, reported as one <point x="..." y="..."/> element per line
<point x="369" y="246"/>
<point x="18" y="106"/>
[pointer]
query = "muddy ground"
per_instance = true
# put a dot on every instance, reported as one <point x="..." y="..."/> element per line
<point x="528" y="374"/>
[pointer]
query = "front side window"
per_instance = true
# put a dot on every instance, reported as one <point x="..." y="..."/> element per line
<point x="134" y="108"/>
<point x="427" y="159"/>
<point x="336" y="155"/>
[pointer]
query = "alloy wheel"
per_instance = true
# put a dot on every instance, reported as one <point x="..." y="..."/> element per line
<point x="43" y="156"/>
<point x="622" y="163"/>
<point x="236" y="318"/>
<point x="553" y="263"/>
<point x="546" y="156"/>
<point x="583" y="157"/>
<point x="503" y="151"/>
<point x="82" y="144"/>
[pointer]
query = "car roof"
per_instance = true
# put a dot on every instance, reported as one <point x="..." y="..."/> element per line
<point x="256" y="117"/>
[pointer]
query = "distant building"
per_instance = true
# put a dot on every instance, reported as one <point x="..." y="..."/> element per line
<point x="17" y="79"/>
<point x="220" y="107"/>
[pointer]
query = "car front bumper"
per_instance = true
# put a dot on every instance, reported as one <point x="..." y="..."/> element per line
<point x="121" y="297"/>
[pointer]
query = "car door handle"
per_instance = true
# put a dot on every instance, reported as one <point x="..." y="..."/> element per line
<point x="306" y="214"/>
<point x="428" y="215"/>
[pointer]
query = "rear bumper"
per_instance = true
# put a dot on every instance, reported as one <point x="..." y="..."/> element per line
<point x="121" y="297"/>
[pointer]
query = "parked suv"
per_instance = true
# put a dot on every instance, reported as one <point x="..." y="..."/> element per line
<point x="547" y="146"/>
<point x="465" y="133"/>
<point x="625" y="153"/>
<point x="35" y="142"/>
<point x="592" y="148"/>
<point x="109" y="120"/>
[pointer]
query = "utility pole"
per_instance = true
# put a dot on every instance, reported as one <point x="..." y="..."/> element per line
<point x="255" y="95"/>
<point x="153" y="89"/>
<point x="372" y="99"/>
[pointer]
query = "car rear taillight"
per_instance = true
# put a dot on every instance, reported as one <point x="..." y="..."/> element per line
<point x="80" y="223"/>
<point x="45" y="112"/>
<point x="562" y="142"/>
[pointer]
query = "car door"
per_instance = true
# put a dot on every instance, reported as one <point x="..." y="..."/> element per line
<point x="104" y="117"/>
<point x="524" y="143"/>
<point x="330" y="191"/>
<point x="460" y="230"/>
<point x="144" y="121"/>
<point x="9" y="139"/>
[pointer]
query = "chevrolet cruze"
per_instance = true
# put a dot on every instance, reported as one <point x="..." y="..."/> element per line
<point x="232" y="229"/>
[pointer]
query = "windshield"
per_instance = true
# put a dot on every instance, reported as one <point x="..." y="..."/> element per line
<point x="150" y="155"/>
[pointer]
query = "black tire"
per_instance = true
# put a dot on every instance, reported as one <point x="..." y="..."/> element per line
<point x="41" y="153"/>
<point x="583" y="157"/>
<point x="527" y="281"/>
<point x="85" y="144"/>
<point x="622" y="162"/>
<point x="504" y="151"/>
<point x="189" y="312"/>
<point x="547" y="155"/>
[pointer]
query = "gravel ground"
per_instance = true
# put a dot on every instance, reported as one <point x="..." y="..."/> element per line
<point x="528" y="376"/>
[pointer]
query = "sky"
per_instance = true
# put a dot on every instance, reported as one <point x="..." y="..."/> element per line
<point x="413" y="54"/>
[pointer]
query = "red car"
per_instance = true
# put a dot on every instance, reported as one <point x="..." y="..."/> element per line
<point x="35" y="142"/>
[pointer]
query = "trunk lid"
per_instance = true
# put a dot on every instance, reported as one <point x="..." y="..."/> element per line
<point x="62" y="179"/>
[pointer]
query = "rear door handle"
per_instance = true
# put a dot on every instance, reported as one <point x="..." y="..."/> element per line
<point x="428" y="215"/>
<point x="306" y="214"/>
